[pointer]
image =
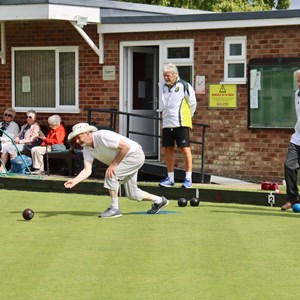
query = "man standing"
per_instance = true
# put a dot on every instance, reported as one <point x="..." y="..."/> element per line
<point x="123" y="157"/>
<point x="291" y="165"/>
<point x="179" y="105"/>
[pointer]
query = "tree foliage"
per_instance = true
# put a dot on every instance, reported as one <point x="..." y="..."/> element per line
<point x="220" y="5"/>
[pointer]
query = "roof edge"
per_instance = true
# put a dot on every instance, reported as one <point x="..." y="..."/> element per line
<point x="272" y="14"/>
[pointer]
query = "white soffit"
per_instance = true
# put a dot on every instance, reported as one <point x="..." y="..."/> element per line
<point x="23" y="12"/>
<point x="64" y="12"/>
<point x="201" y="25"/>
<point x="48" y="11"/>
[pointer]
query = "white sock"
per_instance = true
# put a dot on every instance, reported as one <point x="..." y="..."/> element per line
<point x="157" y="199"/>
<point x="171" y="176"/>
<point x="114" y="202"/>
<point x="188" y="175"/>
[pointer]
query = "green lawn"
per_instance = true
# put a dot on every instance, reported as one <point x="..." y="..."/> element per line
<point x="214" y="251"/>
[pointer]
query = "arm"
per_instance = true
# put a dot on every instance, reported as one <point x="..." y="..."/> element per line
<point x="297" y="126"/>
<point x="85" y="173"/>
<point x="17" y="138"/>
<point x="15" y="130"/>
<point x="122" y="150"/>
<point x="56" y="137"/>
<point x="11" y="132"/>
<point x="31" y="135"/>
<point x="192" y="99"/>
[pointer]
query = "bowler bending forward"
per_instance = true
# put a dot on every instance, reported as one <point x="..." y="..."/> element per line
<point x="123" y="157"/>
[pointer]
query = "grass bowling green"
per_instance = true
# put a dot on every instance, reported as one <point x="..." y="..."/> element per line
<point x="212" y="251"/>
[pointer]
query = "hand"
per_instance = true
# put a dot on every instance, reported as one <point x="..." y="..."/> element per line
<point x="110" y="171"/>
<point x="17" y="140"/>
<point x="69" y="184"/>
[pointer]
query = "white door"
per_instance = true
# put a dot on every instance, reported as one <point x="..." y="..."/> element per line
<point x="142" y="97"/>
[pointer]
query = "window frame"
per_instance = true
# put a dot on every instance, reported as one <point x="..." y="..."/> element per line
<point x="57" y="107"/>
<point x="235" y="59"/>
<point x="180" y="62"/>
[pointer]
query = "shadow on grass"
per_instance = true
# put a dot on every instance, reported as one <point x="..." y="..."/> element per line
<point x="48" y="214"/>
<point x="260" y="213"/>
<point x="247" y="210"/>
<point x="242" y="207"/>
<point x="162" y="212"/>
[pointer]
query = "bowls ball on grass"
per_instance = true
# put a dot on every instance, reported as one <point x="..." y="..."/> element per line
<point x="296" y="208"/>
<point x="182" y="202"/>
<point x="28" y="214"/>
<point x="194" y="201"/>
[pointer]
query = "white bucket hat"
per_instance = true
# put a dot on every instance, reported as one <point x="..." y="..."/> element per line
<point x="81" y="128"/>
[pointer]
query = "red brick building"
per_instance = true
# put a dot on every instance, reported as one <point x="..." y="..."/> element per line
<point x="65" y="56"/>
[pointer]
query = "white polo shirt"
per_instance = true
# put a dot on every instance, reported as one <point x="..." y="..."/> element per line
<point x="106" y="143"/>
<point x="295" y="139"/>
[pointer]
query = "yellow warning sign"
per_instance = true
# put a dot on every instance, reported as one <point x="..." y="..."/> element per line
<point x="222" y="96"/>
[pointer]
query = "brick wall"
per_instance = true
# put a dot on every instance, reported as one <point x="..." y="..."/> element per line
<point x="232" y="149"/>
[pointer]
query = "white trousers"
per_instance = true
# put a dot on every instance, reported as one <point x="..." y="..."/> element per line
<point x="127" y="172"/>
<point x="37" y="154"/>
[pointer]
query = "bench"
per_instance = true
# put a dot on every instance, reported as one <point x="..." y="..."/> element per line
<point x="67" y="155"/>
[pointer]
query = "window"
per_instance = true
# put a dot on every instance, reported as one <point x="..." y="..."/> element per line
<point x="186" y="73"/>
<point x="45" y="79"/>
<point x="181" y="53"/>
<point x="178" y="52"/>
<point x="235" y="59"/>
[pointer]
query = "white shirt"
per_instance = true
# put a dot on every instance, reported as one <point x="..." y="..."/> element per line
<point x="12" y="131"/>
<point x="295" y="139"/>
<point x="179" y="104"/>
<point x="106" y="143"/>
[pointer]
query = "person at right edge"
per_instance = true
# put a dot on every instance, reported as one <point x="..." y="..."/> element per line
<point x="179" y="105"/>
<point x="291" y="164"/>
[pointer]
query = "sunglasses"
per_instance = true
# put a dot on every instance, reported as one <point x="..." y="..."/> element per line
<point x="8" y="115"/>
<point x="28" y="117"/>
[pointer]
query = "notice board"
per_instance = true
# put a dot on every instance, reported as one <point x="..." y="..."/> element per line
<point x="271" y="92"/>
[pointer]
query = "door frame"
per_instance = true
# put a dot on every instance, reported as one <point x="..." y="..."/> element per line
<point x="125" y="76"/>
<point x="163" y="46"/>
<point x="150" y="144"/>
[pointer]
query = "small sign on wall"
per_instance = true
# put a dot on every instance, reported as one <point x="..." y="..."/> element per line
<point x="222" y="96"/>
<point x="200" y="85"/>
<point x="109" y="73"/>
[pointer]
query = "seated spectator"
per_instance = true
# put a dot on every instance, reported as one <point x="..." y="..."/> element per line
<point x="25" y="140"/>
<point x="28" y="136"/>
<point x="56" y="136"/>
<point x="9" y="130"/>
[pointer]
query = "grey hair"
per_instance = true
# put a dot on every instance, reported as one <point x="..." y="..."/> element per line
<point x="296" y="73"/>
<point x="170" y="68"/>
<point x="54" y="120"/>
<point x="31" y="111"/>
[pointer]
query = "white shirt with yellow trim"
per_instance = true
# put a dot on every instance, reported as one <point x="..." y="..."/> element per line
<point x="179" y="104"/>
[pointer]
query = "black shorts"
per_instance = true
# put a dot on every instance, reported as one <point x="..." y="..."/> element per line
<point x="179" y="134"/>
